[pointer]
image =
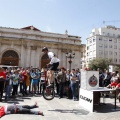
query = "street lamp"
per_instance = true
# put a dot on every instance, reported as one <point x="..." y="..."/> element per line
<point x="70" y="56"/>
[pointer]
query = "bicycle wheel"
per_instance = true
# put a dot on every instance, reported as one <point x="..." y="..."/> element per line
<point x="48" y="93"/>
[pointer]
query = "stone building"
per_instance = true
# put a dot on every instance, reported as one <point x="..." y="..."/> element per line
<point x="23" y="47"/>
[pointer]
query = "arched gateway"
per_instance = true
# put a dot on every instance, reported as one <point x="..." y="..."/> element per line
<point x="10" y="57"/>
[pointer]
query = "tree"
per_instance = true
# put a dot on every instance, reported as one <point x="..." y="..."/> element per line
<point x="100" y="63"/>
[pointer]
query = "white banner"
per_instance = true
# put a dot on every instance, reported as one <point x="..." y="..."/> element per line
<point x="86" y="99"/>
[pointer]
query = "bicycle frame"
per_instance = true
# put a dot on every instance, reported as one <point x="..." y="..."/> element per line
<point x="48" y="93"/>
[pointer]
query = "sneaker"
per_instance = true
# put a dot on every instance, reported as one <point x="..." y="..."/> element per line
<point x="74" y="98"/>
<point x="40" y="113"/>
<point x="50" y="86"/>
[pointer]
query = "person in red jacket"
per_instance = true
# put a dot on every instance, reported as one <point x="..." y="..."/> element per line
<point x="19" y="109"/>
<point x="24" y="75"/>
<point x="2" y="80"/>
<point x="113" y="85"/>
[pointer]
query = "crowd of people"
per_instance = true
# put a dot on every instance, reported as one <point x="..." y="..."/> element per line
<point x="110" y="80"/>
<point x="25" y="81"/>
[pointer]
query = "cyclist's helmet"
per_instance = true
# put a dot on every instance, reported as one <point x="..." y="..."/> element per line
<point x="44" y="48"/>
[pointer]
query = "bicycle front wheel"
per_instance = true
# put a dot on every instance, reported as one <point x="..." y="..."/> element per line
<point x="48" y="93"/>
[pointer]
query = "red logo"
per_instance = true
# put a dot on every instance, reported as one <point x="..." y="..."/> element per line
<point x="93" y="81"/>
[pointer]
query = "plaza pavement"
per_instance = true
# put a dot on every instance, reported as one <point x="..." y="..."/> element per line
<point x="63" y="109"/>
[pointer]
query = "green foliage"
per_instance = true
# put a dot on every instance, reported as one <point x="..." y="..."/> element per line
<point x="100" y="63"/>
<point x="116" y="68"/>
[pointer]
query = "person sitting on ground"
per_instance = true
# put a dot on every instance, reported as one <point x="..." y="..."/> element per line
<point x="19" y="109"/>
<point x="54" y="63"/>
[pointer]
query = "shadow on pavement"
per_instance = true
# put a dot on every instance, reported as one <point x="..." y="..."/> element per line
<point x="14" y="100"/>
<point x="106" y="108"/>
<point x="74" y="111"/>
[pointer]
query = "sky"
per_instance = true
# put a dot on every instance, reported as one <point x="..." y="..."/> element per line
<point x="78" y="17"/>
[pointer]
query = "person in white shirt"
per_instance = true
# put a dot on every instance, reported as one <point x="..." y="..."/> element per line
<point x="54" y="63"/>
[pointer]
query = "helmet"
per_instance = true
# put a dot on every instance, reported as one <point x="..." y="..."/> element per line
<point x="44" y="48"/>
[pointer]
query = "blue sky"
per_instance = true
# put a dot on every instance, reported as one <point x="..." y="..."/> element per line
<point x="79" y="17"/>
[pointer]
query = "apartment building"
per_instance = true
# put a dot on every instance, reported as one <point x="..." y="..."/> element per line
<point x="104" y="42"/>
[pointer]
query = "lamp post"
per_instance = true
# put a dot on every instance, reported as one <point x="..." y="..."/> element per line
<point x="70" y="56"/>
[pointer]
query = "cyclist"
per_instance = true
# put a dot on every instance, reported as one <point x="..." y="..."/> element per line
<point x="54" y="63"/>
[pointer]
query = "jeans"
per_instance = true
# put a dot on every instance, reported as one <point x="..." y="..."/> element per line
<point x="8" y="90"/>
<point x="26" y="109"/>
<point x="1" y="89"/>
<point x="73" y="88"/>
<point x="23" y="88"/>
<point x="22" y="109"/>
<point x="61" y="89"/>
<point x="15" y="90"/>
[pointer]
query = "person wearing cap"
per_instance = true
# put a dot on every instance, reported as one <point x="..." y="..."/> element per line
<point x="54" y="63"/>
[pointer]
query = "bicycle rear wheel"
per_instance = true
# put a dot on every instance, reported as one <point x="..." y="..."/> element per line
<point x="48" y="93"/>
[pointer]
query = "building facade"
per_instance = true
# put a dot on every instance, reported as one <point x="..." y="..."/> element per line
<point x="23" y="47"/>
<point x="104" y="42"/>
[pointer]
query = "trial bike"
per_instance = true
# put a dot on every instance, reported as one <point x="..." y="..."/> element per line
<point x="48" y="91"/>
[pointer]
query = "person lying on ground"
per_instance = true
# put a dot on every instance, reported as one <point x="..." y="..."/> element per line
<point x="19" y="109"/>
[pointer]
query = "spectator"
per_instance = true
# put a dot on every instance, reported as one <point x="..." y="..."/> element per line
<point x="69" y="92"/>
<point x="73" y="78"/>
<point x="61" y="77"/>
<point x="2" y="80"/>
<point x="101" y="78"/>
<point x="113" y="77"/>
<point x="28" y="79"/>
<point x="107" y="78"/>
<point x="24" y="77"/>
<point x="8" y="84"/>
<point x="35" y="76"/>
<point x="78" y="82"/>
<point x="113" y="84"/>
<point x="15" y="82"/>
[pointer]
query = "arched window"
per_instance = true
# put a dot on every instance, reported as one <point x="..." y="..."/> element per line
<point x="10" y="57"/>
<point x="10" y="53"/>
